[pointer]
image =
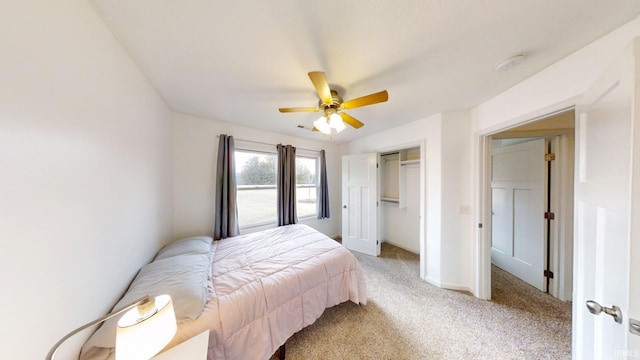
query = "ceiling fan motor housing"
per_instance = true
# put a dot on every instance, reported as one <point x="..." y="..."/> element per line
<point x="335" y="104"/>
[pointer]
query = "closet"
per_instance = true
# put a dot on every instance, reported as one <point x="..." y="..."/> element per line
<point x="399" y="198"/>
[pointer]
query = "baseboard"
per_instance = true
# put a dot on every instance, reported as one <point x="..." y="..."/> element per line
<point x="433" y="282"/>
<point x="457" y="287"/>
<point x="401" y="247"/>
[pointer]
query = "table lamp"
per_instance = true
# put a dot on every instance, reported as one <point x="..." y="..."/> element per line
<point x="146" y="328"/>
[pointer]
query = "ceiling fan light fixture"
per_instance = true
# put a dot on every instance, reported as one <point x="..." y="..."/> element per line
<point x="323" y="125"/>
<point x="335" y="121"/>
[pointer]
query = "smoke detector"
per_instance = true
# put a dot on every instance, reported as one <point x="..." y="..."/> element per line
<point x="510" y="62"/>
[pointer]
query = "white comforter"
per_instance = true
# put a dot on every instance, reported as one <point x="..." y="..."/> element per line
<point x="271" y="284"/>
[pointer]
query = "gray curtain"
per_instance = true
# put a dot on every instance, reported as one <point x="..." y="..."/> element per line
<point x="226" y="221"/>
<point x="323" y="192"/>
<point x="286" y="185"/>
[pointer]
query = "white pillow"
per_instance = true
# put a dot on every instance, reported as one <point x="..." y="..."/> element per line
<point x="184" y="277"/>
<point x="192" y="245"/>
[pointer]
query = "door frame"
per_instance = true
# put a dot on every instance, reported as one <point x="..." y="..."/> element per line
<point x="482" y="176"/>
<point x="423" y="184"/>
<point x="560" y="230"/>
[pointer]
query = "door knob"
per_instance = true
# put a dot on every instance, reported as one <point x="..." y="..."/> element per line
<point x="634" y="326"/>
<point x="596" y="309"/>
<point x="344" y="206"/>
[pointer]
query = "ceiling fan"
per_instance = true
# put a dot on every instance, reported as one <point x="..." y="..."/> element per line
<point x="333" y="106"/>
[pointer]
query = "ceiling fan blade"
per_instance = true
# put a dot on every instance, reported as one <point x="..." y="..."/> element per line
<point x="288" y="110"/>
<point x="319" y="81"/>
<point x="378" y="97"/>
<point x="351" y="120"/>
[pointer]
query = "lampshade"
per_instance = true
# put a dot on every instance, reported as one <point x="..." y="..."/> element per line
<point x="323" y="125"/>
<point x="145" y="330"/>
<point x="335" y="121"/>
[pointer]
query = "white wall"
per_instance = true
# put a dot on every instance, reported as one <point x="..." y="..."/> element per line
<point x="195" y="148"/>
<point x="456" y="220"/>
<point x="85" y="174"/>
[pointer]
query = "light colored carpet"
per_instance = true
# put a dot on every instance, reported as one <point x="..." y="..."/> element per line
<point x="407" y="318"/>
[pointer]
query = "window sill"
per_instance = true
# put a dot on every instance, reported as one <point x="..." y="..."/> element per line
<point x="270" y="225"/>
<point x="265" y="225"/>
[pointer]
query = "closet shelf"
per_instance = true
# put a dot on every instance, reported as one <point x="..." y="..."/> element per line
<point x="390" y="200"/>
<point x="410" y="162"/>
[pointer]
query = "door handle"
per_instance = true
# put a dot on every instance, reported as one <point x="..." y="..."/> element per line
<point x="634" y="326"/>
<point x="596" y="309"/>
<point x="344" y="206"/>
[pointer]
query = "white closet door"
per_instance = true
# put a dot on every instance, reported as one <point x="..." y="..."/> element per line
<point x="359" y="210"/>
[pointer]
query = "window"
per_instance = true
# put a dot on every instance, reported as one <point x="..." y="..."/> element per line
<point x="257" y="195"/>
<point x="306" y="186"/>
<point x="256" y="175"/>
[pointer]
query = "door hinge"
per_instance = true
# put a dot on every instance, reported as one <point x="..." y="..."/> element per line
<point x="548" y="273"/>
<point x="377" y="242"/>
<point x="549" y="157"/>
<point x="376" y="165"/>
<point x="479" y="225"/>
<point x="377" y="203"/>
<point x="549" y="216"/>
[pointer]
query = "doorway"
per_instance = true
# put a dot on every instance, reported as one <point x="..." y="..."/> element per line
<point x="399" y="203"/>
<point x="519" y="198"/>
<point x="534" y="245"/>
<point x="404" y="195"/>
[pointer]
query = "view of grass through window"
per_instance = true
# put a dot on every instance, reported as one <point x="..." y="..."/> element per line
<point x="256" y="179"/>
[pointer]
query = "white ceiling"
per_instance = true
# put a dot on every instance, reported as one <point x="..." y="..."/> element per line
<point x="239" y="61"/>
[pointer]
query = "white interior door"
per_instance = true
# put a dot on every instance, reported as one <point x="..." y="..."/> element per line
<point x="359" y="210"/>
<point x="602" y="215"/>
<point x="634" y="253"/>
<point x="518" y="179"/>
<point x="634" y="270"/>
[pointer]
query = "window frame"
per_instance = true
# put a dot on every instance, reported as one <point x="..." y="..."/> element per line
<point x="266" y="149"/>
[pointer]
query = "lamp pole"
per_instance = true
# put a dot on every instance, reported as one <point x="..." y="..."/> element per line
<point x="52" y="352"/>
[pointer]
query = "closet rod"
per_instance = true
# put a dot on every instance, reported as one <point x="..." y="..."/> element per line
<point x="264" y="143"/>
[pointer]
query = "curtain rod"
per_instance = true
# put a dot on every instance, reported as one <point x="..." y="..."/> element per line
<point x="264" y="143"/>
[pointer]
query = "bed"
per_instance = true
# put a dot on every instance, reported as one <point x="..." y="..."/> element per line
<point x="260" y="289"/>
